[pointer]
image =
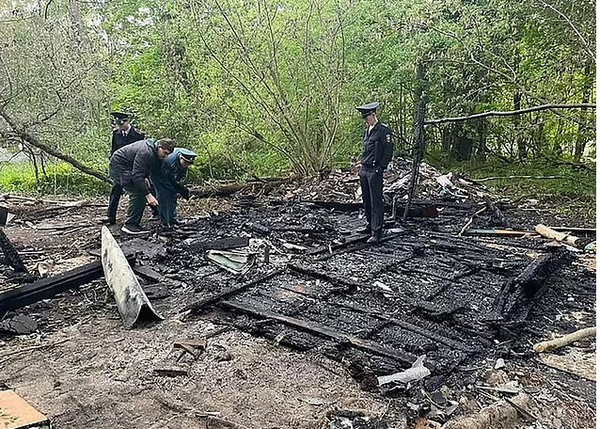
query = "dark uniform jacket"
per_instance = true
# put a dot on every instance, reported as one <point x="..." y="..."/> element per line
<point x="377" y="147"/>
<point x="171" y="174"/>
<point x="133" y="163"/>
<point x="119" y="140"/>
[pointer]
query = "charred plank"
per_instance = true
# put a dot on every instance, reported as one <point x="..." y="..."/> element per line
<point x="359" y="343"/>
<point x="11" y="255"/>
<point x="426" y="210"/>
<point x="529" y="285"/>
<point x="198" y="306"/>
<point x="222" y="244"/>
<point x="351" y="284"/>
<point x="47" y="288"/>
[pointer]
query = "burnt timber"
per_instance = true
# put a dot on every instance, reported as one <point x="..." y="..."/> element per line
<point x="421" y="291"/>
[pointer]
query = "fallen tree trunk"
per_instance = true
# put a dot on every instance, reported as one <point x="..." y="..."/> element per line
<point x="547" y="346"/>
<point x="231" y="188"/>
<point x="32" y="140"/>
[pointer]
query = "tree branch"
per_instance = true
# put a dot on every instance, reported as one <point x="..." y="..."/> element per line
<point x="511" y="113"/>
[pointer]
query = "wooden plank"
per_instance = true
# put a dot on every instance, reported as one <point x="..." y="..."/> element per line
<point x="559" y="236"/>
<point x="423" y="210"/>
<point x="16" y="413"/>
<point x="496" y="232"/>
<point x="370" y="346"/>
<point x="198" y="306"/>
<point x="47" y="288"/>
<point x="222" y="244"/>
<point x="402" y="324"/>
<point x="148" y="273"/>
<point x="529" y="285"/>
<point x="349" y="241"/>
<point x="351" y="284"/>
<point x="573" y="229"/>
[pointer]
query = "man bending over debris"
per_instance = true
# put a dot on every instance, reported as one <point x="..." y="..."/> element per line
<point x="130" y="166"/>
<point x="377" y="154"/>
<point x="167" y="185"/>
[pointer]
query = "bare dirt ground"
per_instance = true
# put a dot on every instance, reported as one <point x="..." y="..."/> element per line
<point x="84" y="370"/>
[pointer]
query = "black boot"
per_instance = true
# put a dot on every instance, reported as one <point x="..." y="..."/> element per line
<point x="374" y="239"/>
<point x="365" y="230"/>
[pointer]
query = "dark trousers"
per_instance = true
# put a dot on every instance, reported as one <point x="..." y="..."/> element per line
<point x="167" y="202"/>
<point x="113" y="200"/>
<point x="137" y="199"/>
<point x="371" y="184"/>
<point x="136" y="206"/>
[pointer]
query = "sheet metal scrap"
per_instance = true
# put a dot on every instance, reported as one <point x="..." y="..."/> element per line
<point x="129" y="295"/>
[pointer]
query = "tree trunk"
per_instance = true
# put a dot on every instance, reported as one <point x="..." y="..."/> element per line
<point x="482" y="135"/>
<point x="587" y="90"/>
<point x="419" y="143"/>
<point x="521" y="152"/>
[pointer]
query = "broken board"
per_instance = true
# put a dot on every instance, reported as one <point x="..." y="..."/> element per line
<point x="16" y="413"/>
<point x="129" y="295"/>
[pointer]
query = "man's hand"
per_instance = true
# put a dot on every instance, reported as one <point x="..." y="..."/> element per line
<point x="151" y="200"/>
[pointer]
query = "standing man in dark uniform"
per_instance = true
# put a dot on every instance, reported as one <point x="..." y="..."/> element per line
<point x="123" y="135"/>
<point x="376" y="155"/>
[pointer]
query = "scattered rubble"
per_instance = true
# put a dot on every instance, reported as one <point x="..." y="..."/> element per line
<point x="422" y="319"/>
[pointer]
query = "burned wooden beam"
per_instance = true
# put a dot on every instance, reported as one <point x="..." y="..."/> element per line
<point x="148" y="273"/>
<point x="47" y="288"/>
<point x="300" y="229"/>
<point x="350" y="284"/>
<point x="359" y="343"/>
<point x="5" y="216"/>
<point x="529" y="285"/>
<point x="350" y="240"/>
<point x="198" y="306"/>
<point x="221" y="244"/>
<point x="533" y="278"/>
<point x="11" y="255"/>
<point x="257" y="227"/>
<point x="412" y="328"/>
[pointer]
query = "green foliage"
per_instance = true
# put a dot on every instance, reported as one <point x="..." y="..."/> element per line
<point x="268" y="87"/>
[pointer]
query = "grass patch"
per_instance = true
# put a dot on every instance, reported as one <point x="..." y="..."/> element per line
<point x="59" y="179"/>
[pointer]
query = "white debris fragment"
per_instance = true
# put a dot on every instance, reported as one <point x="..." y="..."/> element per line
<point x="416" y="372"/>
